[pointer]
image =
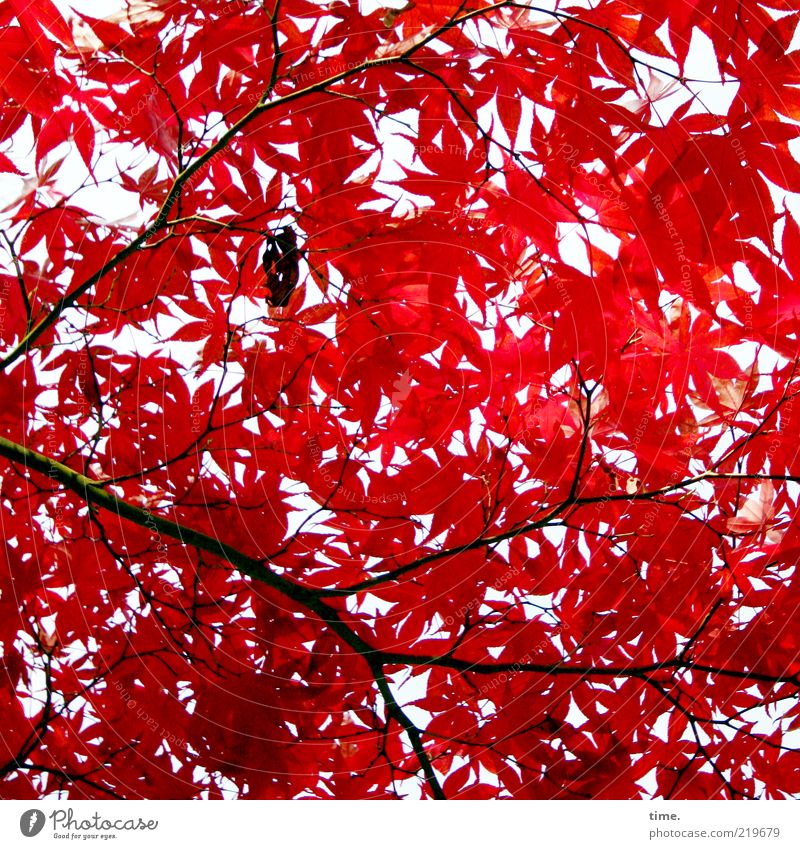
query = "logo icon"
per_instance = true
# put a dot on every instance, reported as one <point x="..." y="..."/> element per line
<point x="402" y="388"/>
<point x="32" y="822"/>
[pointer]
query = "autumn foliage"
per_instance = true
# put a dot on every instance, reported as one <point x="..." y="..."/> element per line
<point x="399" y="402"/>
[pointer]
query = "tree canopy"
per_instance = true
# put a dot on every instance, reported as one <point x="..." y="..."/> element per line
<point x="399" y="402"/>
